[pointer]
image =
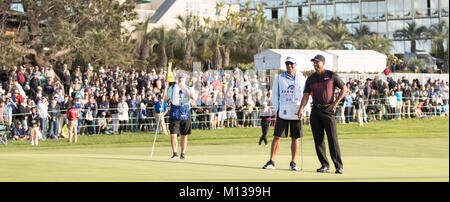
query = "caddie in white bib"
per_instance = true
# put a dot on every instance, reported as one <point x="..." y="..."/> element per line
<point x="287" y="95"/>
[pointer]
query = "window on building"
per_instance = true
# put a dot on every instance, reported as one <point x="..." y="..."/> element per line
<point x="274" y="14"/>
<point x="347" y="12"/>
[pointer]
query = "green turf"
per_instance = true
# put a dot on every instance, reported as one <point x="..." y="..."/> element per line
<point x="399" y="150"/>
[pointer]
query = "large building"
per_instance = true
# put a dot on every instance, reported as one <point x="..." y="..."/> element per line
<point x="165" y="12"/>
<point x="381" y="16"/>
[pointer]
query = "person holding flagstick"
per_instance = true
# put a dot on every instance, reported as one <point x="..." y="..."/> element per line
<point x="180" y="96"/>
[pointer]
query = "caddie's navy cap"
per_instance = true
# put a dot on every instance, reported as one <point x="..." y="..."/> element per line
<point x="318" y="58"/>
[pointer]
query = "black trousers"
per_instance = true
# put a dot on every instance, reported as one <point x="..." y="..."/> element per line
<point x="323" y="121"/>
<point x="265" y="125"/>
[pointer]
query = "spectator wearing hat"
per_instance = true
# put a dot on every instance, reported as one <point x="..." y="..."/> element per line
<point x="33" y="115"/>
<point x="49" y="88"/>
<point x="72" y="116"/>
<point x="54" y="113"/>
<point x="19" y="133"/>
<point x="49" y="73"/>
<point x="35" y="81"/>
<point x="153" y="75"/>
<point x="35" y="133"/>
<point x="23" y="111"/>
<point x="161" y="110"/>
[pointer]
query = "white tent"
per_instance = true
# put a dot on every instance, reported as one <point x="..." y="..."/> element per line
<point x="336" y="60"/>
<point x="358" y="60"/>
<point x="273" y="59"/>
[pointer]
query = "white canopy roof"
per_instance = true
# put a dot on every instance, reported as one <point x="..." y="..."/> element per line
<point x="336" y="60"/>
<point x="358" y="60"/>
<point x="273" y="59"/>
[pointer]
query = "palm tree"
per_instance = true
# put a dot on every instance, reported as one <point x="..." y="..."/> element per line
<point x="230" y="41"/>
<point x="338" y="33"/>
<point x="214" y="38"/>
<point x="142" y="46"/>
<point x="377" y="43"/>
<point x="411" y="32"/>
<point x="164" y="41"/>
<point x="233" y="37"/>
<point x="188" y="34"/>
<point x="315" y="21"/>
<point x="257" y="29"/>
<point x="439" y="35"/>
<point x="361" y="32"/>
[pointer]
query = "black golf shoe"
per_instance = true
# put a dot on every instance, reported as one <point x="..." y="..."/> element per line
<point x="323" y="169"/>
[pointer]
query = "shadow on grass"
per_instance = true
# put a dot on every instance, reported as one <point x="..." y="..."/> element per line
<point x="194" y="163"/>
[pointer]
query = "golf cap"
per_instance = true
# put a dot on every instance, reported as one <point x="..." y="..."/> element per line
<point x="182" y="75"/>
<point x="290" y="59"/>
<point x="318" y="58"/>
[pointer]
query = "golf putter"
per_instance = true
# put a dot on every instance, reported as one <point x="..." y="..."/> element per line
<point x="301" y="153"/>
<point x="157" y="128"/>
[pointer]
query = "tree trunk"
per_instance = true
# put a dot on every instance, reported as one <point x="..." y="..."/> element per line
<point x="446" y="57"/>
<point x="187" y="54"/>
<point x="226" y="57"/>
<point x="413" y="45"/>
<point x="144" y="49"/>
<point x="163" y="57"/>
<point x="217" y="58"/>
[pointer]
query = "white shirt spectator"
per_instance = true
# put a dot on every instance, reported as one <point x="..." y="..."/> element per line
<point x="122" y="108"/>
<point x="42" y="109"/>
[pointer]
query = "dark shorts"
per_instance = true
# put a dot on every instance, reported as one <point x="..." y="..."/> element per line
<point x="282" y="127"/>
<point x="180" y="127"/>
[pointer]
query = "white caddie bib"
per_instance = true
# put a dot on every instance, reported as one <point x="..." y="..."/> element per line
<point x="290" y="93"/>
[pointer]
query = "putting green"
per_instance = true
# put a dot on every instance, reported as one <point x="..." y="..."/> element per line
<point x="398" y="158"/>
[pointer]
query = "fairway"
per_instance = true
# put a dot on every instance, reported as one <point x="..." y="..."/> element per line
<point x="399" y="150"/>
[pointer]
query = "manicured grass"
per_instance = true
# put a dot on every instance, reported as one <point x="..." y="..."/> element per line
<point x="397" y="150"/>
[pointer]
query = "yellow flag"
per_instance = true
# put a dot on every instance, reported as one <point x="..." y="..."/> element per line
<point x="170" y="77"/>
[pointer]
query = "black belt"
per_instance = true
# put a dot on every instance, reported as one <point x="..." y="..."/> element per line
<point x="321" y="106"/>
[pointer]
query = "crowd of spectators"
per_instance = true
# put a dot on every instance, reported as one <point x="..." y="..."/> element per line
<point x="379" y="99"/>
<point x="112" y="100"/>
